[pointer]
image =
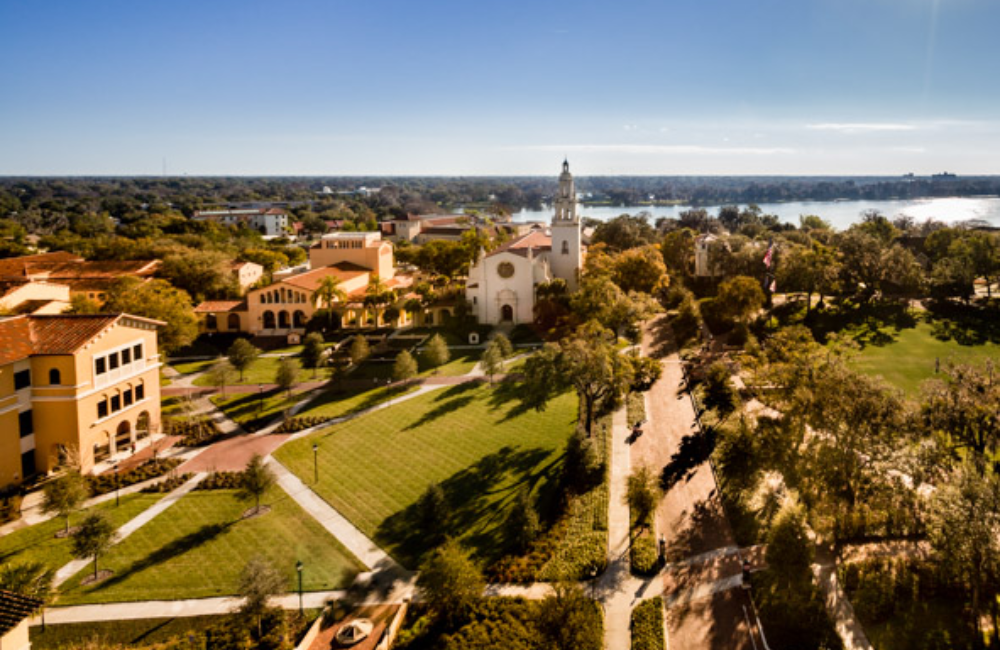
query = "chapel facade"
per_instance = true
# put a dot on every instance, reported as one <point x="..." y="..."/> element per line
<point x="501" y="284"/>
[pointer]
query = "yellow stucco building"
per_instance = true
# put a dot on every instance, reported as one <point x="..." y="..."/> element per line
<point x="75" y="382"/>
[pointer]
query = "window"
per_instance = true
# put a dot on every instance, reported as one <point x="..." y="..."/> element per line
<point x="127" y="395"/>
<point x="116" y="403"/>
<point x="565" y="248"/>
<point x="54" y="377"/>
<point x="140" y="392"/>
<point x="101" y="366"/>
<point x="22" y="379"/>
<point x="113" y="360"/>
<point x="126" y="356"/>
<point x="137" y="351"/>
<point x="28" y="468"/>
<point x="25" y="423"/>
<point x="102" y="407"/>
<point x="211" y="322"/>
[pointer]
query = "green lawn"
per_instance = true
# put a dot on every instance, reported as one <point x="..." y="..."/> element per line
<point x="909" y="358"/>
<point x="335" y="403"/>
<point x="199" y="546"/>
<point x="191" y="367"/>
<point x="481" y="450"/>
<point x="462" y="361"/>
<point x="39" y="544"/>
<point x="254" y="409"/>
<point x="264" y="370"/>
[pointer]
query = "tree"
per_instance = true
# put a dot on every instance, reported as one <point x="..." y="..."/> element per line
<point x="964" y="528"/>
<point x="642" y="494"/>
<point x="542" y="377"/>
<point x="221" y="374"/>
<point x="158" y="300"/>
<point x="404" y="367"/>
<point x="202" y="273"/>
<point x="313" y="351"/>
<point x="95" y="538"/>
<point x="639" y="269"/>
<point x="492" y="361"/>
<point x="433" y="513"/>
<point x="569" y="620"/>
<point x="591" y="363"/>
<point x="377" y="295"/>
<point x="582" y="466"/>
<point x="242" y="353"/>
<point x="64" y="495"/>
<point x="789" y="550"/>
<point x="327" y="293"/>
<point x="811" y="269"/>
<point x="522" y="526"/>
<point x="503" y="345"/>
<point x="436" y="352"/>
<point x="286" y="375"/>
<point x="79" y="303"/>
<point x="740" y="297"/>
<point x="625" y="232"/>
<point x="359" y="349"/>
<point x="450" y="581"/>
<point x="720" y="393"/>
<point x="965" y="405"/>
<point x="259" y="583"/>
<point x="255" y="480"/>
<point x="32" y="579"/>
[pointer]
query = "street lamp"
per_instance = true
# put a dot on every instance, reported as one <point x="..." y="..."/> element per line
<point x="298" y="569"/>
<point x="388" y="383"/>
<point x="315" y="463"/>
<point x="117" y="485"/>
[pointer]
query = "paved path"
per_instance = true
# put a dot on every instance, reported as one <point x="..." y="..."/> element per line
<point x="851" y="632"/>
<point x="140" y="520"/>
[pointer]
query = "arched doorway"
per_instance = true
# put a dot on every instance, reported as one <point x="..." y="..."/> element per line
<point x="142" y="425"/>
<point x="507" y="313"/>
<point x="102" y="448"/>
<point x="283" y="319"/>
<point x="269" y="320"/>
<point x="233" y="322"/>
<point x="123" y="437"/>
<point x="299" y="318"/>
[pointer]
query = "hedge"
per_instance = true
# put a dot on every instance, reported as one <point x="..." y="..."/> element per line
<point x="194" y="433"/>
<point x="647" y="625"/>
<point x="109" y="481"/>
<point x="220" y="481"/>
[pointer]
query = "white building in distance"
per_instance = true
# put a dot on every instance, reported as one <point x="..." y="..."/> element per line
<point x="501" y="285"/>
<point x="270" y="222"/>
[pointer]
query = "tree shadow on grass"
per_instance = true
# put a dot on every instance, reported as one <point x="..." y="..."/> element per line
<point x="450" y="400"/>
<point x="695" y="449"/>
<point x="166" y="553"/>
<point x="875" y="324"/>
<point x="964" y="324"/>
<point x="474" y="509"/>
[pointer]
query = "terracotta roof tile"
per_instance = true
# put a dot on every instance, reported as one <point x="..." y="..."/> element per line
<point x="23" y="336"/>
<point x="16" y="265"/>
<point x="15" y="340"/>
<point x="535" y="240"/>
<point x="311" y="279"/>
<point x="215" y="306"/>
<point x="101" y="269"/>
<point x="14" y="608"/>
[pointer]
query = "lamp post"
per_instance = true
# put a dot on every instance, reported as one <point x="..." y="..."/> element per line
<point x="315" y="463"/>
<point x="117" y="486"/>
<point x="298" y="569"/>
<point x="388" y="390"/>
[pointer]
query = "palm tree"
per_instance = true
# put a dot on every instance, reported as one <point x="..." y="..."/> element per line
<point x="329" y="292"/>
<point x="378" y="294"/>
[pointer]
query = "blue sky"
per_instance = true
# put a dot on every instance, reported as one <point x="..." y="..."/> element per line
<point x="330" y="87"/>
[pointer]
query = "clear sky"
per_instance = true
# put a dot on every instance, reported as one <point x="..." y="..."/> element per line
<point x="334" y="87"/>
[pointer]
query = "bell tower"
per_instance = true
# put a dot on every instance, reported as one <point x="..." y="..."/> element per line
<point x="566" y="258"/>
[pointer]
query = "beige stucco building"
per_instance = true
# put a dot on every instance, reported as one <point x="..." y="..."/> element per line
<point x="85" y="382"/>
<point x="364" y="249"/>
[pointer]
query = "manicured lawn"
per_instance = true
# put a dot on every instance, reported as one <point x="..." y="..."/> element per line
<point x="191" y="367"/>
<point x="334" y="404"/>
<point x="39" y="544"/>
<point x="254" y="410"/>
<point x="481" y="450"/>
<point x="200" y="545"/>
<point x="461" y="363"/>
<point x="910" y="358"/>
<point x="264" y="370"/>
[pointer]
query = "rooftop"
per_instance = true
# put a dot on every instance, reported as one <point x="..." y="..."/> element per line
<point x="14" y="608"/>
<point x="25" y="336"/>
<point x="216" y="306"/>
<point x="536" y="240"/>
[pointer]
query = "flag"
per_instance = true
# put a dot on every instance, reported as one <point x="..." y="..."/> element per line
<point x="769" y="254"/>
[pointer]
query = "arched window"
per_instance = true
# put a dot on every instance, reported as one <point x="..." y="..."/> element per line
<point x="299" y="318"/>
<point x="55" y="377"/>
<point x="565" y="248"/>
<point x="269" y="320"/>
<point x="283" y="319"/>
<point x="234" y="322"/>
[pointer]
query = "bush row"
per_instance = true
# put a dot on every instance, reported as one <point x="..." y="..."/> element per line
<point x="107" y="482"/>
<point x="643" y="552"/>
<point x="194" y="433"/>
<point x="291" y="425"/>
<point x="168" y="484"/>
<point x="220" y="481"/>
<point x="10" y="507"/>
<point x="880" y="587"/>
<point x="647" y="625"/>
<point x="635" y="408"/>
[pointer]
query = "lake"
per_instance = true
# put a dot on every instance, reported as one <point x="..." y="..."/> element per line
<point x="840" y="214"/>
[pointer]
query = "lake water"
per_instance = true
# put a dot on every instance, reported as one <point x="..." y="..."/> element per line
<point x="840" y="214"/>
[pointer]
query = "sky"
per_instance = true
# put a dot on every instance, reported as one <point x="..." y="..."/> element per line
<point x="499" y="87"/>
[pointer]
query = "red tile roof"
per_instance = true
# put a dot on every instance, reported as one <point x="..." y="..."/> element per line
<point x="311" y="279"/>
<point x="24" y="336"/>
<point x="535" y="240"/>
<point x="17" y="265"/>
<point x="14" y="608"/>
<point x="100" y="269"/>
<point x="216" y="306"/>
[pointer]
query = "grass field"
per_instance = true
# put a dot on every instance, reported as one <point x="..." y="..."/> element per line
<point x="200" y="545"/>
<point x="462" y="361"/>
<point x="254" y="410"/>
<point x="191" y="367"/>
<point x="910" y="358"/>
<point x="39" y="544"/>
<point x="334" y="404"/>
<point x="480" y="448"/>
<point x="264" y="369"/>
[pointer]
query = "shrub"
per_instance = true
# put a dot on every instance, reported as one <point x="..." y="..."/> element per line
<point x="220" y="481"/>
<point x="300" y="423"/>
<point x="720" y="393"/>
<point x="194" y="433"/>
<point x="168" y="484"/>
<point x="104" y="483"/>
<point x="643" y="554"/>
<point x="647" y="625"/>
